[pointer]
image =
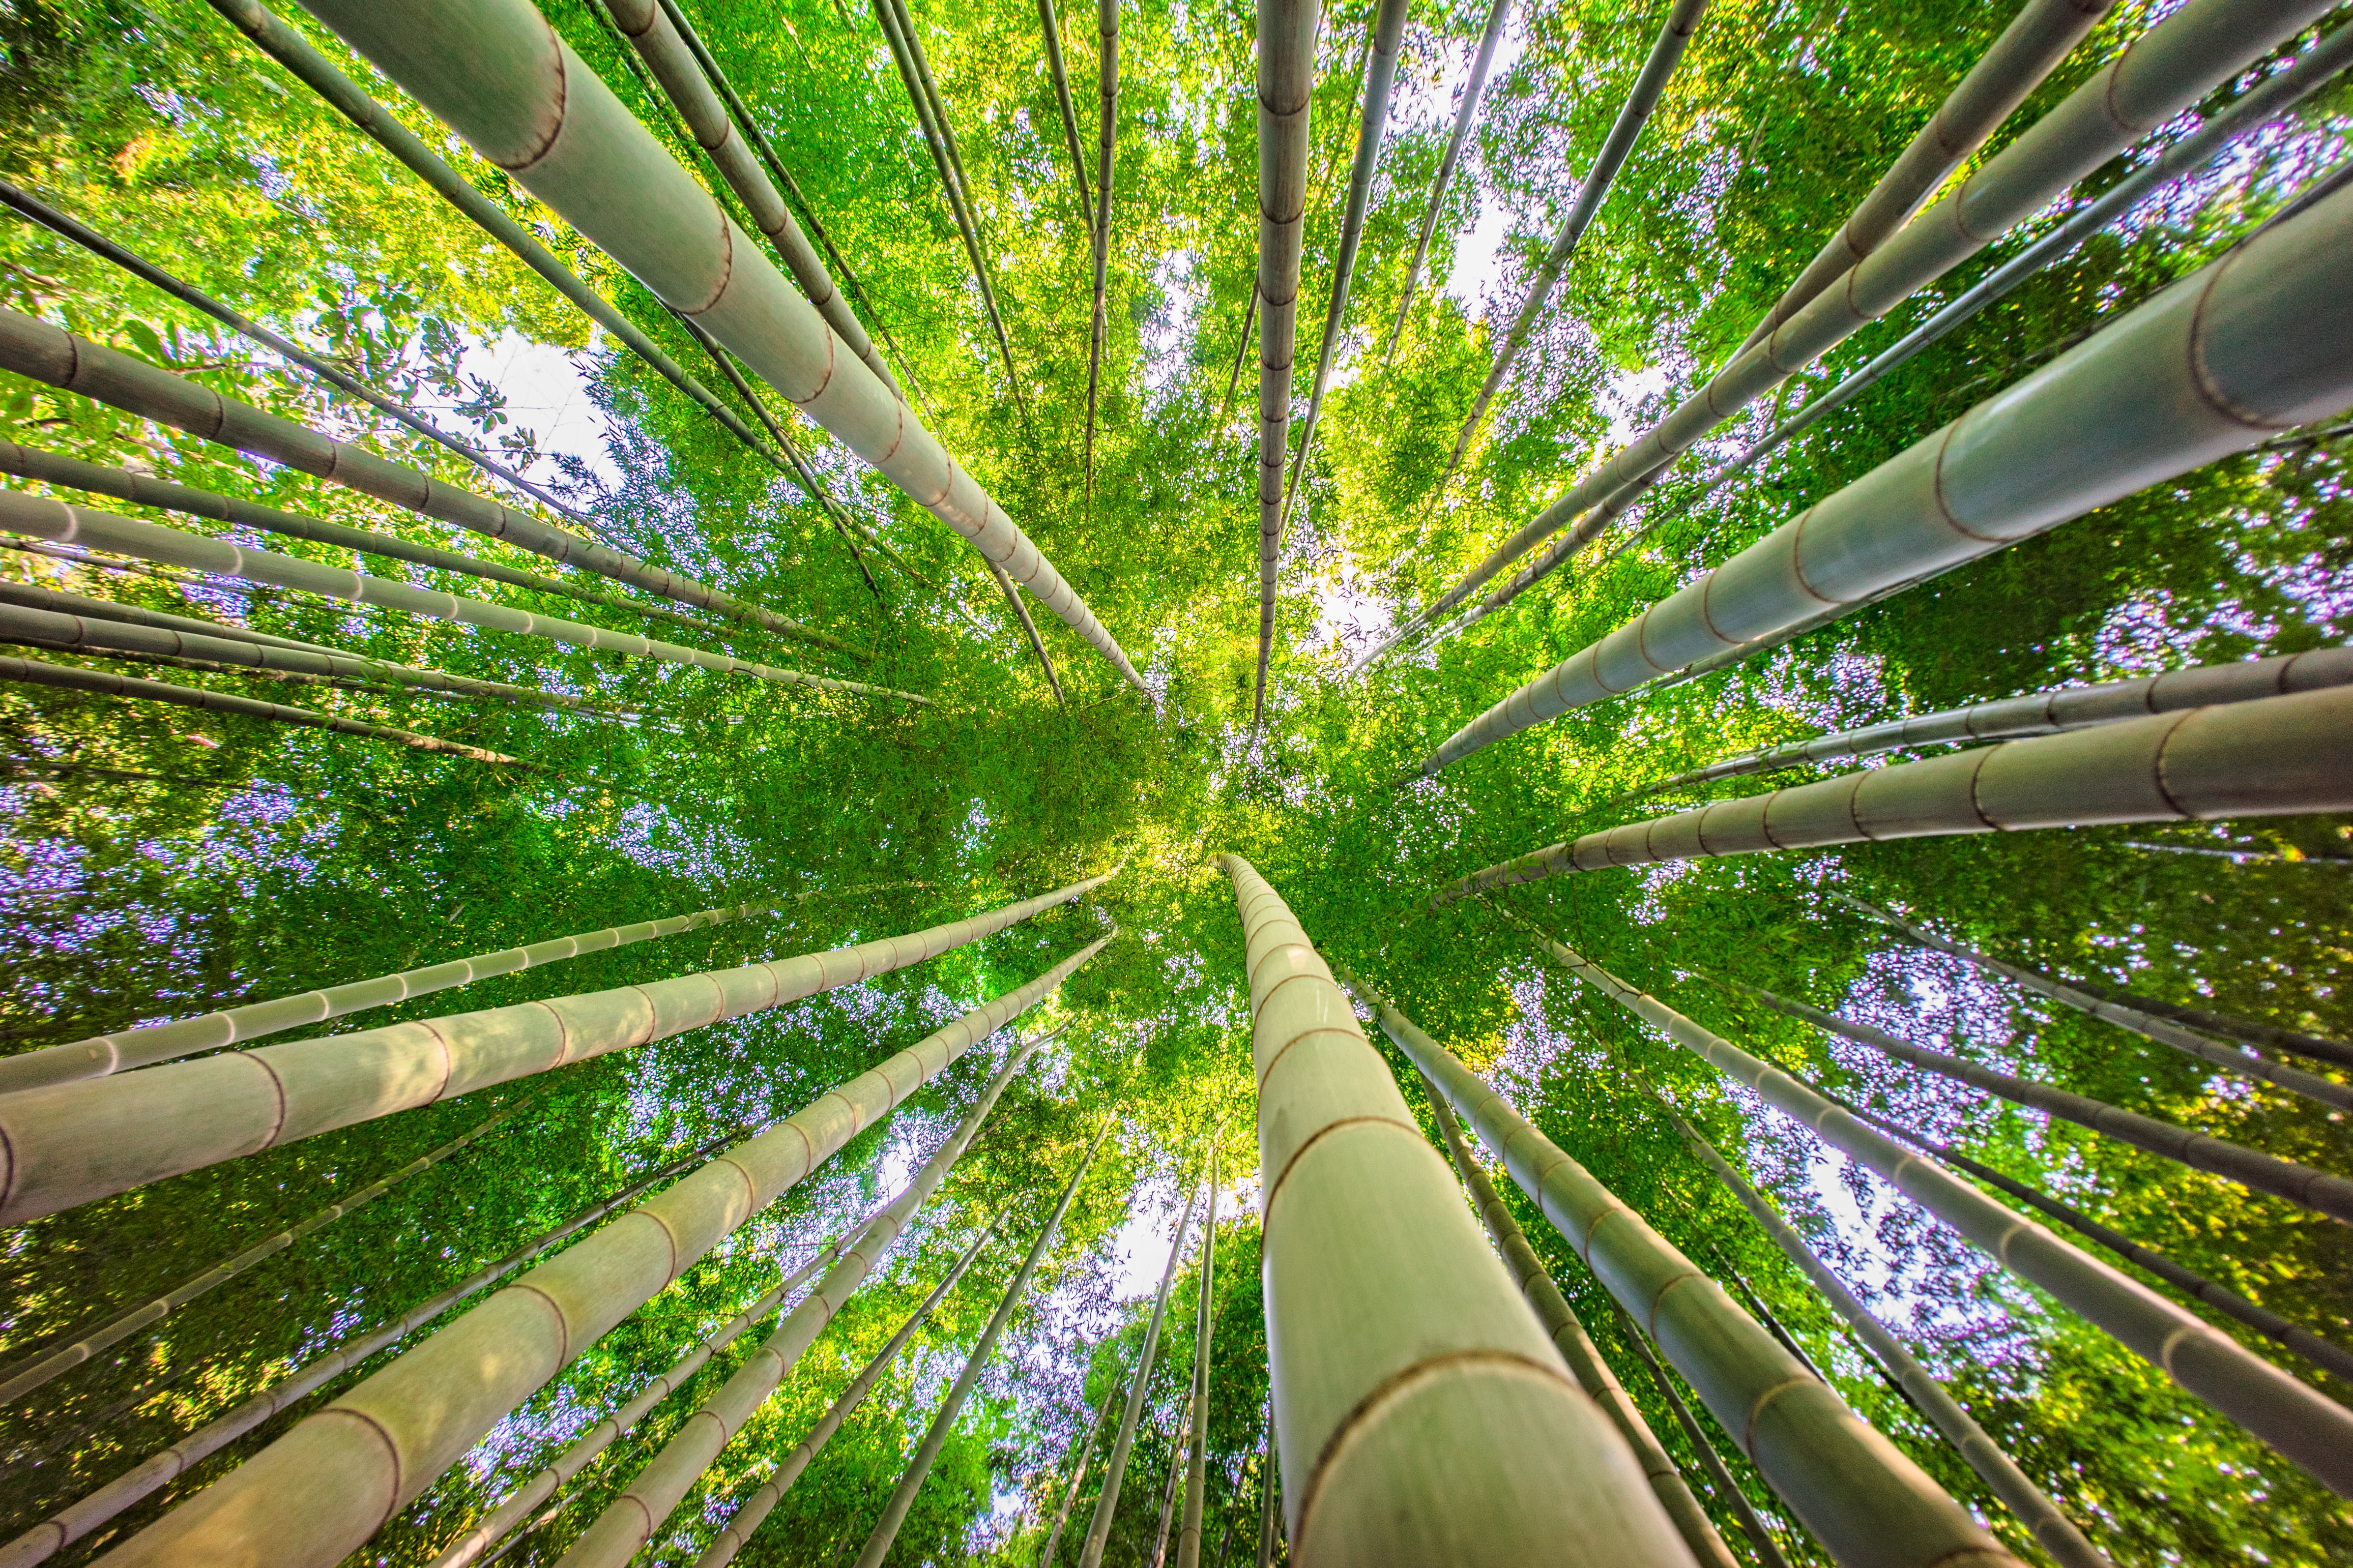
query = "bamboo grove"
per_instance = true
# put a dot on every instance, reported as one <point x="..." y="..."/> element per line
<point x="1469" y="780"/>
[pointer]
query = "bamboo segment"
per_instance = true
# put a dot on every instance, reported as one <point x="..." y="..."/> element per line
<point x="41" y="518"/>
<point x="73" y="678"/>
<point x="1683" y="20"/>
<point x="2194" y="49"/>
<point x="1052" y="28"/>
<point x="1719" y="1474"/>
<point x="1421" y="1413"/>
<point x="755" y="1509"/>
<point x="2316" y="1190"/>
<point x="497" y="72"/>
<point x="1577" y="1347"/>
<point x="2056" y="1533"/>
<point x="1196" y="1467"/>
<point x="894" y="1512"/>
<point x="1864" y="1501"/>
<point x="2296" y="1420"/>
<point x="2044" y="712"/>
<point x="2271" y="756"/>
<point x="46" y="1540"/>
<point x="1078" y="1472"/>
<point x="1481" y="61"/>
<point x="378" y="1447"/>
<point x="1380" y="77"/>
<point x="1106" y="148"/>
<point x="1090" y="1553"/>
<point x="1286" y="91"/>
<point x="2247" y="345"/>
<point x="71" y="1142"/>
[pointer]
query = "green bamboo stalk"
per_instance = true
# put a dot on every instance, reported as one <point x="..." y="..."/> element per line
<point x="58" y="602"/>
<point x="1196" y="1469"/>
<point x="1266" y="1480"/>
<point x="1422" y="1412"/>
<point x="1106" y="146"/>
<point x="2051" y="1528"/>
<point x="71" y="1142"/>
<point x="637" y="1513"/>
<point x="1719" y="1475"/>
<point x="2297" y="1421"/>
<point x="1030" y="630"/>
<point x="2314" y="1191"/>
<point x="1683" y="20"/>
<point x="491" y="68"/>
<point x="1481" y="61"/>
<point x="753" y="1510"/>
<point x="40" y="517"/>
<point x="1090" y="1553"/>
<point x="1051" y="27"/>
<point x="1180" y="1438"/>
<point x="428" y="1407"/>
<point x="2248" y="1032"/>
<point x="1860" y="1495"/>
<point x="30" y="1373"/>
<point x="1286" y="92"/>
<point x="1079" y="1467"/>
<point x="76" y="1521"/>
<point x="1241" y="352"/>
<point x="105" y="683"/>
<point x="1380" y="76"/>
<point x="894" y="1512"/>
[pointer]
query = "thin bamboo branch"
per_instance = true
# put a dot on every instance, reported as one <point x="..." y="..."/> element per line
<point x="1241" y="352"/>
<point x="1090" y="1553"/>
<point x="1030" y="630"/>
<point x="1106" y="148"/>
<point x="1719" y="1475"/>
<point x="1196" y="1470"/>
<point x="1286" y="92"/>
<point x="2248" y="1032"/>
<point x="1180" y="1438"/>
<point x="1481" y="61"/>
<point x="1051" y="27"/>
<point x="1079" y="1467"/>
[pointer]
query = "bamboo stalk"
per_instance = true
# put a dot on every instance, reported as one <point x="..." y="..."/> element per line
<point x="55" y="601"/>
<point x="2297" y="1421"/>
<point x="1286" y="92"/>
<point x="1091" y="1553"/>
<point x="1422" y="1412"/>
<point x="534" y="105"/>
<point x="1268" y="1516"/>
<point x="42" y="518"/>
<point x="1380" y="77"/>
<point x="1196" y="1467"/>
<point x="1079" y="1467"/>
<point x="1719" y="1475"/>
<point x="71" y="1142"/>
<point x="1106" y="146"/>
<point x="902" y="1498"/>
<point x="2051" y="1528"/>
<point x="2247" y="1032"/>
<point x="1481" y="61"/>
<point x="1052" y="28"/>
<point x="1241" y="352"/>
<point x="1180" y="1438"/>
<point x="1030" y="630"/>
<point x="429" y="1407"/>
<point x="2015" y="466"/>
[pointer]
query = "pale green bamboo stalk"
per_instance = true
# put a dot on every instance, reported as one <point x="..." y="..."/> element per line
<point x="2051" y="1528"/>
<point x="104" y="683"/>
<point x="503" y="79"/>
<point x="1078" y="1467"/>
<point x="69" y="1144"/>
<point x="1481" y="61"/>
<point x="1179" y="1440"/>
<point x="753" y="1510"/>
<point x="77" y="1520"/>
<point x="902" y="1498"/>
<point x="1380" y="77"/>
<point x="1106" y="146"/>
<point x="1090" y="1553"/>
<point x="1860" y="1495"/>
<point x="1030" y="630"/>
<point x="418" y="1415"/>
<point x="1241" y="352"/>
<point x="2248" y="1032"/>
<point x="2314" y="1191"/>
<point x="2297" y="1421"/>
<point x="1286" y="91"/>
<point x="636" y="1514"/>
<point x="1421" y="1412"/>
<point x="1719" y="1474"/>
<point x="1196" y="1469"/>
<point x="1051" y="27"/>
<point x="1267" y="1482"/>
<point x="58" y="602"/>
<point x="40" y="517"/>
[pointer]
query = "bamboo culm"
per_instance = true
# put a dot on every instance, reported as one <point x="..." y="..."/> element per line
<point x="1052" y="28"/>
<point x="1079" y="1469"/>
<point x="2298" y="1421"/>
<point x="2249" y="1032"/>
<point x="1197" y="1464"/>
<point x="1481" y="60"/>
<point x="1179" y="1439"/>
<point x="1090" y="1553"/>
<point x="1241" y="352"/>
<point x="1432" y="1420"/>
<point x="69" y="1144"/>
<point x="2051" y="1528"/>
<point x="1030" y="630"/>
<point x="1719" y="1475"/>
<point x="1286" y="91"/>
<point x="902" y="1497"/>
<point x="378" y="1447"/>
<point x="540" y="114"/>
<point x="1098" y="236"/>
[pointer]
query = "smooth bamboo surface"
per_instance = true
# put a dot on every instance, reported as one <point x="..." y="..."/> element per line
<point x="1286" y="91"/>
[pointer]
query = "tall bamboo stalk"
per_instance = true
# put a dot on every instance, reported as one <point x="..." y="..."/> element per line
<point x="1090" y="1553"/>
<point x="1422" y="1412"/>
<point x="1481" y="60"/>
<point x="502" y="78"/>
<point x="1267" y="1482"/>
<point x="1241" y="352"/>
<point x="637" y="1513"/>
<point x="58" y="602"/>
<point x="1050" y="24"/>
<point x="1683" y="20"/>
<point x="1719" y="1474"/>
<point x="1180" y="1438"/>
<point x="753" y="1510"/>
<point x="1380" y="77"/>
<point x="418" y="1415"/>
<point x="2296" y="1420"/>
<point x="1106" y="149"/>
<point x="2194" y="49"/>
<point x="1286" y="91"/>
<point x="1862" y="1498"/>
<point x="1079" y="1467"/>
<point x="2056" y="1533"/>
<point x="71" y="1142"/>
<point x="1196" y="1467"/>
<point x="902" y="1498"/>
<point x="2249" y="1032"/>
<point x="1030" y="630"/>
<point x="74" y="1522"/>
<point x="2315" y="1190"/>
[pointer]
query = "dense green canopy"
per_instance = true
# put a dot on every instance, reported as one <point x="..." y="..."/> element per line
<point x="156" y="863"/>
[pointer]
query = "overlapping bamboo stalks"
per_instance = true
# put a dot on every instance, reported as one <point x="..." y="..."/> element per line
<point x="1286" y="91"/>
<point x="1099" y="232"/>
<point x="1720" y="1478"/>
<point x="1196" y="1461"/>
<point x="1046" y="1555"/>
<point x="1098" y="1536"/>
<point x="1051" y="28"/>
<point x="1482" y="59"/>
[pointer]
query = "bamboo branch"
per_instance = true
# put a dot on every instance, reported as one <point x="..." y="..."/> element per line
<point x="1241" y="352"/>
<point x="1030" y="630"/>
